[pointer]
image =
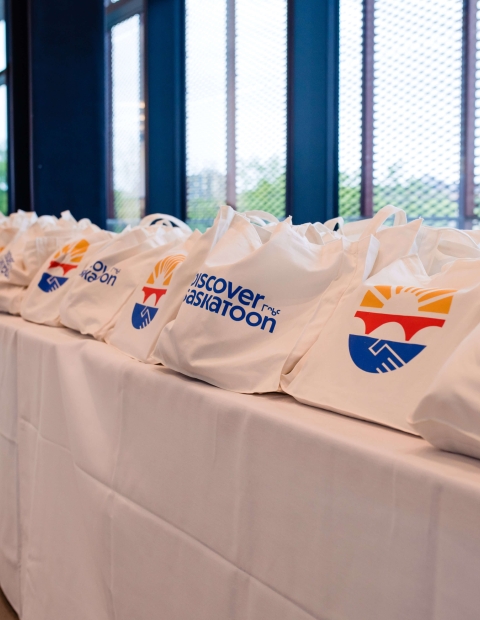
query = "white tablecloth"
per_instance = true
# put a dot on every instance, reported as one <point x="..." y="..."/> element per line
<point x="128" y="492"/>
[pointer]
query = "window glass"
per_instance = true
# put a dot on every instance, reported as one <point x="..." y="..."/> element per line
<point x="350" y="131"/>
<point x="417" y="103"/>
<point x="261" y="115"/>
<point x="3" y="151"/>
<point x="236" y="81"/>
<point x="3" y="46"/>
<point x="127" y="143"/>
<point x="206" y="109"/>
<point x="477" y="119"/>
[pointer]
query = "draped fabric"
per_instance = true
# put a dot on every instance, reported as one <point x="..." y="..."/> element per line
<point x="128" y="491"/>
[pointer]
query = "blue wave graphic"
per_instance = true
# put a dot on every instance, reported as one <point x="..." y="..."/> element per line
<point x="143" y="315"/>
<point x="49" y="283"/>
<point x="378" y="356"/>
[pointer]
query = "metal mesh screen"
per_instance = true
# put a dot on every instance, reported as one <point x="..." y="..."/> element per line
<point x="127" y="193"/>
<point x="206" y="109"/>
<point x="416" y="68"/>
<point x="261" y="82"/>
<point x="418" y="83"/>
<point x="477" y="118"/>
<point x="350" y="130"/>
<point x="236" y="77"/>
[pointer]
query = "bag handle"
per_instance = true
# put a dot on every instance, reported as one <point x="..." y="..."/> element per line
<point x="256" y="215"/>
<point x="382" y="216"/>
<point x="165" y="219"/>
<point x="462" y="237"/>
<point x="330" y="224"/>
<point x="323" y="230"/>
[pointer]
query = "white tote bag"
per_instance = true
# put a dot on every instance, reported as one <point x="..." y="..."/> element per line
<point x="186" y="270"/>
<point x="395" y="241"/>
<point x="11" y="297"/>
<point x="41" y="303"/>
<point x="97" y="294"/>
<point x="248" y="303"/>
<point x="25" y="254"/>
<point x="137" y="329"/>
<point x="448" y="416"/>
<point x="381" y="349"/>
<point x="437" y="247"/>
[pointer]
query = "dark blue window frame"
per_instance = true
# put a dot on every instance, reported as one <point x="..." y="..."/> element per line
<point x="68" y="105"/>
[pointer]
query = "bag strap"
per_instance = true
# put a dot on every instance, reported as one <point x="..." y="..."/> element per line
<point x="382" y="216"/>
<point x="263" y="216"/>
<point x="459" y="236"/>
<point x="165" y="219"/>
<point x="330" y="224"/>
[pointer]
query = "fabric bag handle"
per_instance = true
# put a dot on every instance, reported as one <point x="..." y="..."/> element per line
<point x="456" y="235"/>
<point x="321" y="228"/>
<point x="263" y="216"/>
<point x="330" y="224"/>
<point x="382" y="216"/>
<point x="165" y="219"/>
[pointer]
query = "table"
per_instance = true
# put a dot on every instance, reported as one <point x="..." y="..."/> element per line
<point x="129" y="492"/>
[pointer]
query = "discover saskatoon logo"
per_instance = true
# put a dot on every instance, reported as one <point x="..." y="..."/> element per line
<point x="220" y="296"/>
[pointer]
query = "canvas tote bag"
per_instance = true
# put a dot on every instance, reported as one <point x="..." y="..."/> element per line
<point x="437" y="247"/>
<point x="23" y="256"/>
<point x="244" y="310"/>
<point x="110" y="277"/>
<point x="396" y="240"/>
<point x="137" y="329"/>
<point x="186" y="270"/>
<point x="41" y="303"/>
<point x="387" y="339"/>
<point x="448" y="416"/>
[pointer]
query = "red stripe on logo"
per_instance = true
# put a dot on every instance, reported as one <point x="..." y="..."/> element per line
<point x="149" y="291"/>
<point x="411" y="324"/>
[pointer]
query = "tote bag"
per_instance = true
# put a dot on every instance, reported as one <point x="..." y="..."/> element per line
<point x="186" y="270"/>
<point x="437" y="247"/>
<point x="41" y="303"/>
<point x="110" y="277"/>
<point x="382" y="347"/>
<point x="244" y="310"/>
<point x="137" y="329"/>
<point x="25" y="254"/>
<point x="448" y="416"/>
<point x="395" y="241"/>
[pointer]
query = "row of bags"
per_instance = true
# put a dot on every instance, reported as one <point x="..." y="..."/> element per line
<point x="371" y="321"/>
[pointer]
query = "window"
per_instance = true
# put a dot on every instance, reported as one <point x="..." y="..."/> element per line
<point x="126" y="118"/>
<point x="236" y="76"/>
<point x="3" y="114"/>
<point x="407" y="109"/>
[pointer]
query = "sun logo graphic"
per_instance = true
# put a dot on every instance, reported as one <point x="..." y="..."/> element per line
<point x="411" y="309"/>
<point x="65" y="260"/>
<point x="144" y="314"/>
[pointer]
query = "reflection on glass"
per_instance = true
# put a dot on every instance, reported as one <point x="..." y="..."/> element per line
<point x="261" y="104"/>
<point x="206" y="109"/>
<point x="128" y="121"/>
<point x="3" y="151"/>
